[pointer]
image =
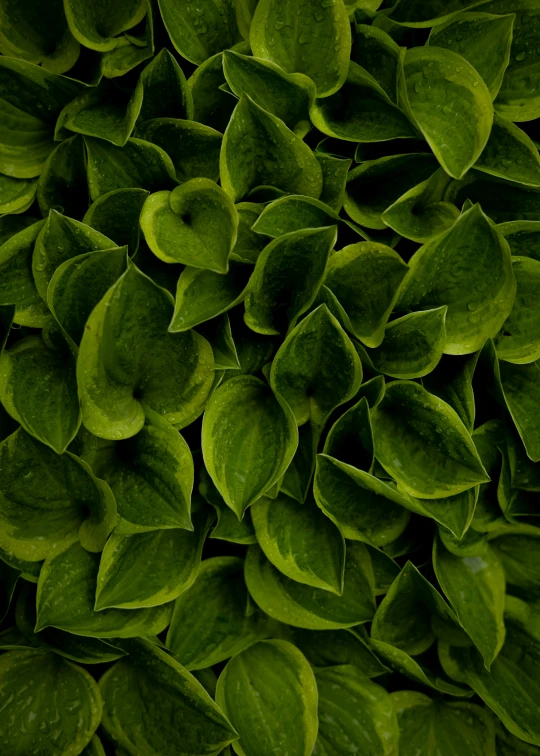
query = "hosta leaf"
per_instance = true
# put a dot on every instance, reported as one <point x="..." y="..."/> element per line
<point x="228" y="526"/>
<point x="150" y="701"/>
<point x="522" y="237"/>
<point x="316" y="368"/>
<point x="96" y="23"/>
<point x="209" y="623"/>
<point x="56" y="498"/>
<point x="62" y="184"/>
<point x="518" y="98"/>
<point x="502" y="200"/>
<point x="39" y="389"/>
<point x="258" y="149"/>
<point x="116" y="216"/>
<point x="519" y="341"/>
<point x="166" y="92"/>
<point x="354" y="713"/>
<point x="37" y="692"/>
<point x="16" y="281"/>
<point x="249" y="244"/>
<point x="276" y="718"/>
<point x="510" y="154"/>
<point x="377" y="53"/>
<point x="94" y="748"/>
<point x="195" y="224"/>
<point x="458" y="130"/>
<point x="469" y="269"/>
<point x="173" y="375"/>
<point x="297" y="478"/>
<point x="292" y="213"/>
<point x="66" y="596"/>
<point x="131" y="50"/>
<point x="379" y="272"/>
<point x="287" y="276"/>
<point x="334" y="174"/>
<point x="218" y="333"/>
<point x="246" y="421"/>
<point x="350" y="439"/>
<point x="424" y="13"/>
<point x="299" y="605"/>
<point x="304" y="38"/>
<point x="516" y="546"/>
<point x="300" y="541"/>
<point x="452" y="381"/>
<point x="211" y="105"/>
<point x="16" y="195"/>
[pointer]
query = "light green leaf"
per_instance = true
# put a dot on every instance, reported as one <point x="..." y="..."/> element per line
<point x="355" y="714"/>
<point x="518" y="98"/>
<point x="519" y="341"/>
<point x="270" y="695"/>
<point x="66" y="595"/>
<point x="421" y="442"/>
<point x="62" y="184"/>
<point x="350" y="439"/>
<point x="16" y="281"/>
<point x="482" y="39"/>
<point x="293" y="213"/>
<point x="316" y="369"/>
<point x="469" y="269"/>
<point x="37" y="694"/>
<point x="378" y="272"/>
<point x="307" y="38"/>
<point x="152" y="704"/>
<point x="334" y="174"/>
<point x="195" y="224"/>
<point x="39" y="389"/>
<point x="361" y="111"/>
<point x="131" y="49"/>
<point x="299" y="605"/>
<point x="258" y="149"/>
<point x="16" y="195"/>
<point x="510" y="154"/>
<point x="249" y="437"/>
<point x="193" y="148"/>
<point x="55" y="499"/>
<point x="362" y="506"/>
<point x="300" y="541"/>
<point x="458" y="130"/>
<point x="171" y="373"/>
<point x="209" y="623"/>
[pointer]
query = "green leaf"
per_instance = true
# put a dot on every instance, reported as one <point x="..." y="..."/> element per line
<point x="519" y="341"/>
<point x="204" y="294"/>
<point x="421" y="442"/>
<point x="316" y="369"/>
<point x="249" y="244"/>
<point x="469" y="269"/>
<point x="37" y="694"/>
<point x="172" y="374"/>
<point x="425" y="13"/>
<point x="258" y="149"/>
<point x="57" y="497"/>
<point x="131" y="49"/>
<point x="16" y="195"/>
<point x="94" y="748"/>
<point x="16" y="281"/>
<point x="362" y="506"/>
<point x="516" y="546"/>
<point x="270" y="695"/>
<point x="355" y="714"/>
<point x="66" y="595"/>
<point x="199" y="35"/>
<point x="287" y="96"/>
<point x="482" y="39"/>
<point x="297" y="478"/>
<point x="209" y="623"/>
<point x="429" y="726"/>
<point x="62" y="184"/>
<point x="376" y="184"/>
<point x="350" y="439"/>
<point x="459" y="129"/>
<point x="520" y="387"/>
<point x="151" y="702"/>
<point x="300" y="541"/>
<point x="311" y="38"/>
<point x="39" y="389"/>
<point x="361" y="111"/>
<point x="501" y="200"/>
<point x="451" y="381"/>
<point x="518" y="99"/>
<point x="522" y="236"/>
<point x="334" y="174"/>
<point x="195" y="224"/>
<point x="378" y="272"/>
<point x="413" y="345"/>
<point x="218" y="333"/>
<point x="228" y="527"/>
<point x="510" y="154"/>
<point x="378" y="54"/>
<point x="166" y="92"/>
<point x="116" y="216"/>
<point x="96" y="23"/>
<point x="249" y="437"/>
<point x="211" y="105"/>
<point x="193" y="148"/>
<point x="293" y="213"/>
<point x="299" y="605"/>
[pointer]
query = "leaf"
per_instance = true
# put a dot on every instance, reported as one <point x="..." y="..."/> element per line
<point x="421" y="442"/>
<point x="520" y="388"/>
<point x="438" y="276"/>
<point x="350" y="439"/>
<point x="211" y="105"/>
<point x="427" y="725"/>
<point x="192" y="147"/>
<point x="522" y="237"/>
<point x="131" y="49"/>
<point x="99" y="35"/>
<point x="334" y="173"/>
<point x="510" y="154"/>
<point x="378" y="54"/>
<point x="458" y="131"/>
<point x="363" y="507"/>
<point x="39" y="389"/>
<point x="413" y="344"/>
<point x="299" y="605"/>
<point x="517" y="99"/>
<point x="293" y="213"/>
<point x="249" y="244"/>
<point x="16" y="195"/>
<point x="354" y="713"/>
<point x="378" y="272"/>
<point x="304" y="38"/>
<point x="516" y="548"/>
<point x="66" y="595"/>
<point x="204" y="294"/>
<point x="316" y="369"/>
<point x="195" y="224"/>
<point x="258" y="149"/>
<point x="218" y="333"/>
<point x="172" y="374"/>
<point x="249" y="437"/>
<point x="16" y="281"/>
<point x="48" y="713"/>
<point x="519" y="341"/>
<point x="116" y="215"/>
<point x="228" y="527"/>
<point x="209" y="623"/>
<point x="270" y="718"/>
<point x="502" y="201"/>
<point x="297" y="478"/>
<point x="422" y="13"/>
<point x="300" y="541"/>
<point x="166" y="92"/>
<point x="94" y="748"/>
<point x="361" y="111"/>
<point x="55" y="499"/>
<point x="62" y="184"/>
<point x="151" y="702"/>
